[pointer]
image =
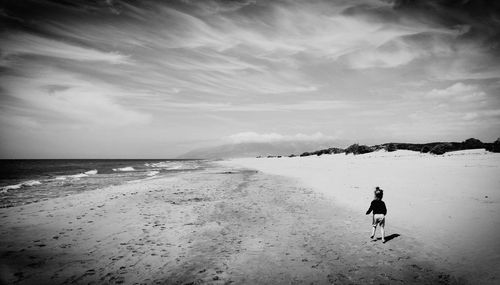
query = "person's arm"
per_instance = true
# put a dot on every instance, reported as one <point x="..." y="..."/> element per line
<point x="384" y="209"/>
<point x="370" y="209"/>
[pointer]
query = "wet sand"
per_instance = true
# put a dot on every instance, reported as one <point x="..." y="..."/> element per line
<point x="218" y="226"/>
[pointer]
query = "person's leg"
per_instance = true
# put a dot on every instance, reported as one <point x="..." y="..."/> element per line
<point x="373" y="231"/>
<point x="382" y="229"/>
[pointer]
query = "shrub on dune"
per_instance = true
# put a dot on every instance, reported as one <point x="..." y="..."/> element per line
<point x="472" y="143"/>
<point x="391" y="147"/>
<point x="425" y="149"/>
<point x="365" y="149"/>
<point x="352" y="149"/>
<point x="335" y="150"/>
<point x="493" y="147"/>
<point x="358" y="149"/>
<point x="442" y="148"/>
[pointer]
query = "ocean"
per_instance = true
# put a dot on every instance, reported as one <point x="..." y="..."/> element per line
<point x="29" y="181"/>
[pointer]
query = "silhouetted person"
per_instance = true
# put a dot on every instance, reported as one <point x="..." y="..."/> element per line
<point x="379" y="212"/>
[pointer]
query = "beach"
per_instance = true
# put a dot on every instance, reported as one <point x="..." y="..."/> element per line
<point x="449" y="203"/>
<point x="242" y="141"/>
<point x="221" y="225"/>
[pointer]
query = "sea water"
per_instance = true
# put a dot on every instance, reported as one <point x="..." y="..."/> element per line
<point x="29" y="181"/>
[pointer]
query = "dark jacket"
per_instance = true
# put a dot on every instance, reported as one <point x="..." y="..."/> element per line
<point x="378" y="207"/>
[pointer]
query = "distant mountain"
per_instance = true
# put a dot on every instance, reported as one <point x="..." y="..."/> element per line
<point x="253" y="149"/>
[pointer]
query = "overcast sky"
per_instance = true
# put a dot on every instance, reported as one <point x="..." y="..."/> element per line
<point x="159" y="78"/>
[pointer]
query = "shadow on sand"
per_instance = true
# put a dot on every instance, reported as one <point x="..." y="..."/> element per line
<point x="390" y="237"/>
<point x="387" y="238"/>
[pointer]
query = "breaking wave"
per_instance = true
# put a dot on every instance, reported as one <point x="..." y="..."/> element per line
<point x="28" y="183"/>
<point x="128" y="168"/>
<point x="91" y="172"/>
<point x="77" y="176"/>
<point x="173" y="165"/>
<point x="152" y="173"/>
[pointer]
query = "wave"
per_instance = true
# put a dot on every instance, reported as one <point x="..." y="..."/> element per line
<point x="175" y="166"/>
<point x="28" y="183"/>
<point x="77" y="176"/>
<point x="168" y="165"/>
<point x="162" y="164"/>
<point x="128" y="168"/>
<point x="11" y="187"/>
<point x="152" y="173"/>
<point x="31" y="183"/>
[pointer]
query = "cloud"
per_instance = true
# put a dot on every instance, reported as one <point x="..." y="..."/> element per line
<point x="264" y="107"/>
<point x="168" y="67"/>
<point x="247" y="137"/>
<point x="428" y="42"/>
<point x="467" y="62"/>
<point x="470" y="116"/>
<point x="208" y="61"/>
<point x="27" y="44"/>
<point x="320" y="31"/>
<point x="398" y="54"/>
<point x="218" y="6"/>
<point x="479" y="19"/>
<point x="453" y="90"/>
<point x="483" y="114"/>
<point x="51" y="96"/>
<point x="458" y="92"/>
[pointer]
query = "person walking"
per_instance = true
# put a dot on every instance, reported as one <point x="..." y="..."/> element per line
<point x="379" y="212"/>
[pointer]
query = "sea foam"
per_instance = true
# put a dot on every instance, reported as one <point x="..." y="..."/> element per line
<point x="152" y="173"/>
<point x="28" y="183"/>
<point x="128" y="168"/>
<point x="158" y="164"/>
<point x="78" y="176"/>
<point x="168" y="165"/>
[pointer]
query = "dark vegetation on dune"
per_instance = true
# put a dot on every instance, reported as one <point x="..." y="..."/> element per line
<point x="437" y="148"/>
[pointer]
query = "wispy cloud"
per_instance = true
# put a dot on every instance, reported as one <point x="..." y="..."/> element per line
<point x="458" y="92"/>
<point x="204" y="69"/>
<point x="51" y="96"/>
<point x="320" y="30"/>
<point x="267" y="107"/>
<point x="27" y="44"/>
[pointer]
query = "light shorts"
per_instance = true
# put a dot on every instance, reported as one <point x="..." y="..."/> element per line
<point x="379" y="219"/>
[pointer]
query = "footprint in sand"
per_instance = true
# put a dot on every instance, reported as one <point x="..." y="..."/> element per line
<point x="90" y="272"/>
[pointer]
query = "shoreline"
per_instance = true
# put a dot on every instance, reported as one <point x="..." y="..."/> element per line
<point x="221" y="225"/>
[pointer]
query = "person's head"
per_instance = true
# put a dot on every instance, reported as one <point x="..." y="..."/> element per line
<point x="379" y="193"/>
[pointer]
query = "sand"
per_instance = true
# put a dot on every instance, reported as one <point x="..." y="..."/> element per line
<point x="451" y="203"/>
<point x="226" y="224"/>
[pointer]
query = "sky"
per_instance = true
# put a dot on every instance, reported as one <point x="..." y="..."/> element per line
<point x="145" y="79"/>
